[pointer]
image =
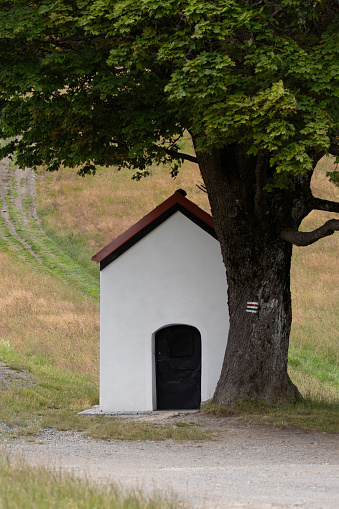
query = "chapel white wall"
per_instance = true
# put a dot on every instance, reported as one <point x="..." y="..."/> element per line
<point x="174" y="275"/>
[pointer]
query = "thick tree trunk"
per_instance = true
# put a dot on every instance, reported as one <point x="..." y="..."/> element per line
<point x="248" y="222"/>
<point x="255" y="365"/>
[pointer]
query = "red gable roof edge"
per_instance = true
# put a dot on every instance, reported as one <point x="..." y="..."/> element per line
<point x="140" y="229"/>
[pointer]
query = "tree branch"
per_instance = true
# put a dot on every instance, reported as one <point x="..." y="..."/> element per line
<point x="179" y="155"/>
<point x="278" y="11"/>
<point x="327" y="205"/>
<point x="306" y="238"/>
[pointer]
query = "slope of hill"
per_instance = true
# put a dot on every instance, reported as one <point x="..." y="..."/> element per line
<point x="49" y="319"/>
<point x="84" y="214"/>
<point x="22" y="234"/>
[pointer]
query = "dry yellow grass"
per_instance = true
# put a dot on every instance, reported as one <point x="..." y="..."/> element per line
<point x="52" y="330"/>
<point x="42" y="316"/>
<point x="101" y="207"/>
<point x="315" y="277"/>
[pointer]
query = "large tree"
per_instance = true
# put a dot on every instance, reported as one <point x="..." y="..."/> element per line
<point x="254" y="82"/>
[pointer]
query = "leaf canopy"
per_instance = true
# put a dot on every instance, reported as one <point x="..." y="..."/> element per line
<point x="101" y="82"/>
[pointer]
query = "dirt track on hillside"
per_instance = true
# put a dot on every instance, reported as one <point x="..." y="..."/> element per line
<point x="24" y="187"/>
<point x="24" y="237"/>
<point x="247" y="466"/>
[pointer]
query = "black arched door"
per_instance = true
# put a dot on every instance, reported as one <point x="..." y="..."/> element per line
<point x="178" y="367"/>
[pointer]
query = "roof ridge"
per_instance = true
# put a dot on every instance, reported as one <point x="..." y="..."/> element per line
<point x="146" y="224"/>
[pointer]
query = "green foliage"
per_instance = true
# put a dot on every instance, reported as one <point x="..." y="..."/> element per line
<point x="105" y="82"/>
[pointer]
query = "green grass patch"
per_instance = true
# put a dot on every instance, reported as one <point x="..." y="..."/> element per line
<point x="323" y="367"/>
<point x="317" y="378"/>
<point x="75" y="245"/>
<point x="306" y="414"/>
<point x="39" y="488"/>
<point x="119" y="428"/>
<point x="56" y="397"/>
<point x="53" y="389"/>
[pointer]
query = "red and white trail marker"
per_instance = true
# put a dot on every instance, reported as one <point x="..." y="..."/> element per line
<point x="252" y="307"/>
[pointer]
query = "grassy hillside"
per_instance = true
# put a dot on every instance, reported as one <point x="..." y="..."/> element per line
<point x="315" y="293"/>
<point x="50" y="325"/>
<point x="84" y="214"/>
<point x="52" y="330"/>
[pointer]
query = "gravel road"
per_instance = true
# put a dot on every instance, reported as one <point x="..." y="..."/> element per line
<point x="247" y="466"/>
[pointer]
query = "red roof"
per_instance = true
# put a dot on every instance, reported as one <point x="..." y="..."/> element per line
<point x="176" y="202"/>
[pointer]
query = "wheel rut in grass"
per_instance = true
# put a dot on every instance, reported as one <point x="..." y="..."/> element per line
<point x="5" y="188"/>
<point x="22" y="235"/>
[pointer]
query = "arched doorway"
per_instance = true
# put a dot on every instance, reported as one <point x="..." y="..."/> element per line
<point x="178" y="367"/>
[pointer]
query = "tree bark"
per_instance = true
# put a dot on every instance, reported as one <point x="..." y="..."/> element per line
<point x="255" y="365"/>
<point x="307" y="238"/>
<point x="248" y="223"/>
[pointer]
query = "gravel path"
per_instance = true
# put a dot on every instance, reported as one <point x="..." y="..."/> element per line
<point x="247" y="466"/>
